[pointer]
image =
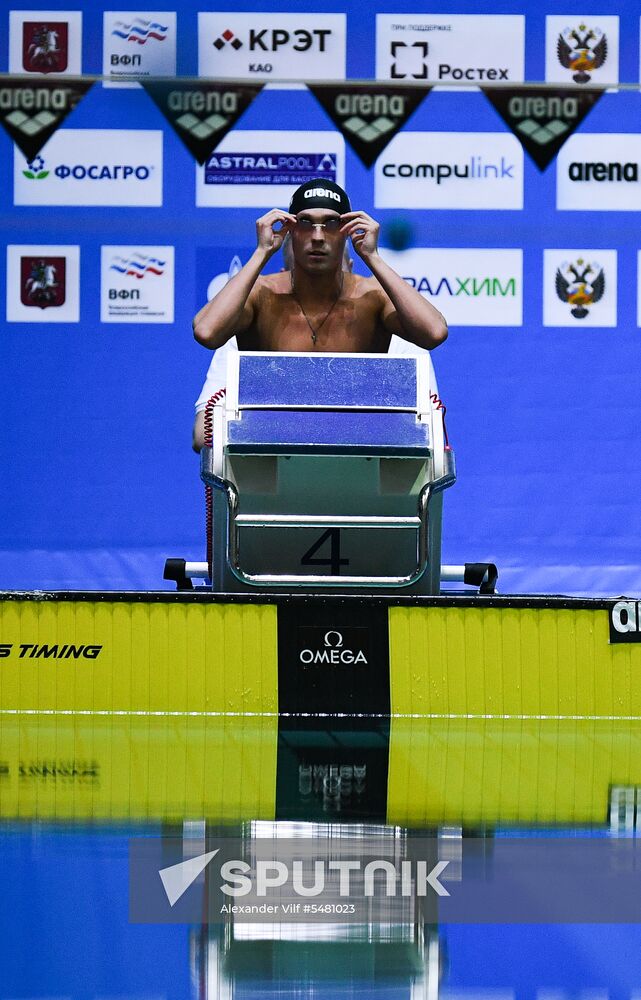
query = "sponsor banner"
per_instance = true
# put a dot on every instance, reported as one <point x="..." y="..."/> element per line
<point x="45" y="41"/>
<point x="262" y="169"/>
<point x="307" y="46"/>
<point x="201" y="114"/>
<point x="582" y="50"/>
<point x="625" y="621"/>
<point x="43" y="284"/>
<point x="31" y="112"/>
<point x="471" y="287"/>
<point x="368" y="118"/>
<point x="138" y="43"/>
<point x="137" y="284"/>
<point x="541" y="119"/>
<point x="93" y="167"/>
<point x="469" y="170"/>
<point x="600" y="173"/>
<point x="639" y="288"/>
<point x="450" y="48"/>
<point x="580" y="287"/>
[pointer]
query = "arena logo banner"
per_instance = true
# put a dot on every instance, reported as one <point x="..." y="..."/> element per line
<point x="31" y="112"/>
<point x="200" y="113"/>
<point x="599" y="173"/>
<point x="540" y="118"/>
<point x="370" y="117"/>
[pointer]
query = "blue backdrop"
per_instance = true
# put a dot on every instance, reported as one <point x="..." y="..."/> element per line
<point x="100" y="482"/>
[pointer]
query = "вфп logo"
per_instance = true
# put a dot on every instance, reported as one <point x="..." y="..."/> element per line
<point x="409" y="60"/>
<point x="42" y="281"/>
<point x="580" y="284"/>
<point x="140" y="31"/>
<point x="45" y="46"/>
<point x="137" y="266"/>
<point x="582" y="49"/>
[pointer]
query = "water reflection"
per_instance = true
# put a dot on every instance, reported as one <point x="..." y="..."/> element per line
<point x="471" y="786"/>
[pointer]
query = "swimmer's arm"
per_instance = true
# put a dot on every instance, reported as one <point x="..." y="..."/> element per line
<point x="233" y="310"/>
<point x="404" y="311"/>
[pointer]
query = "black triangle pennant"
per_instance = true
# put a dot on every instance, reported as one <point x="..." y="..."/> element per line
<point x="540" y="118"/>
<point x="31" y="110"/>
<point x="201" y="113"/>
<point x="368" y="117"/>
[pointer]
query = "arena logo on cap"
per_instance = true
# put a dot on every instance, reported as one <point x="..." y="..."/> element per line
<point x="580" y="288"/>
<point x="472" y="287"/>
<point x="582" y="51"/>
<point x="322" y="193"/>
<point x="281" y="46"/>
<point x="43" y="284"/>
<point x="437" y="47"/>
<point x="45" y="41"/>
<point x="599" y="173"/>
<point x="140" y="43"/>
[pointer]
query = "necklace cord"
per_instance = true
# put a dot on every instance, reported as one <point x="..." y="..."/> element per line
<point x="316" y="331"/>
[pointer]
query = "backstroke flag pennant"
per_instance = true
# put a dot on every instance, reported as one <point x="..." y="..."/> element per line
<point x="368" y="116"/>
<point x="542" y="118"/>
<point x="32" y="109"/>
<point x="201" y="113"/>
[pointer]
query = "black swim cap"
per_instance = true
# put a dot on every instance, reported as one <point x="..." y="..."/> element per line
<point x="319" y="193"/>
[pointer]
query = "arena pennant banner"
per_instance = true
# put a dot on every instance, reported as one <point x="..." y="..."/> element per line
<point x="32" y="110"/>
<point x="368" y="118"/>
<point x="540" y="118"/>
<point x="200" y="113"/>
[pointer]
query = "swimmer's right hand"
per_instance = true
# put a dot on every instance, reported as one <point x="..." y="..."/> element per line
<point x="272" y="228"/>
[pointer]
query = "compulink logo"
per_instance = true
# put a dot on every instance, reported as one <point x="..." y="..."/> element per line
<point x="140" y="31"/>
<point x="581" y="284"/>
<point x="582" y="50"/>
<point x="474" y="169"/>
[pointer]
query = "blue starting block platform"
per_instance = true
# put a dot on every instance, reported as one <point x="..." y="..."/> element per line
<point x="327" y="471"/>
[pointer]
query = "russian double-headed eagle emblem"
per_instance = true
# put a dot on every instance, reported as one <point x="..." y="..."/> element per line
<point x="583" y="50"/>
<point x="580" y="284"/>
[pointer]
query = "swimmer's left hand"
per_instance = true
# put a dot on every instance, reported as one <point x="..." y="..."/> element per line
<point x="363" y="231"/>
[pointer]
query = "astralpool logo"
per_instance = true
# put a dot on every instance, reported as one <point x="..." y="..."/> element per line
<point x="269" y="168"/>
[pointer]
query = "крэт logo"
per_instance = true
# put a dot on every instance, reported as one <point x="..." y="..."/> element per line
<point x="42" y="281"/>
<point x="45" y="46"/>
<point x="582" y="50"/>
<point x="580" y="284"/>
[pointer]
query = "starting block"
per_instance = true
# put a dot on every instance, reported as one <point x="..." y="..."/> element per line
<point x="327" y="471"/>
